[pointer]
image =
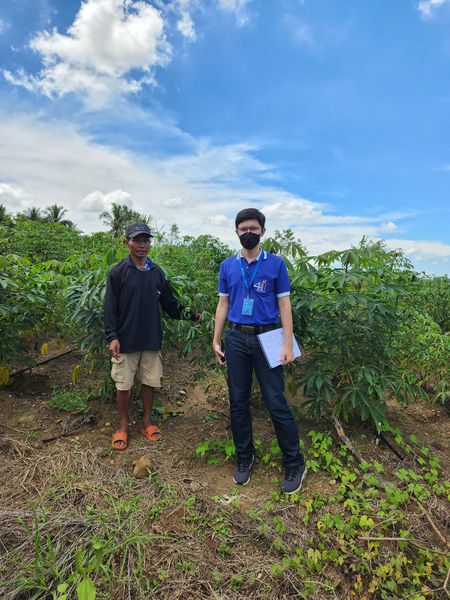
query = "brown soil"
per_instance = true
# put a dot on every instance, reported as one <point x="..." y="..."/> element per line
<point x="27" y="416"/>
<point x="27" y="419"/>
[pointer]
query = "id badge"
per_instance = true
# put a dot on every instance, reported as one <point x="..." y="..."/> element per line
<point x="247" y="307"/>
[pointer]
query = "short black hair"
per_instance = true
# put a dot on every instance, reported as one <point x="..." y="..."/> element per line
<point x="250" y="213"/>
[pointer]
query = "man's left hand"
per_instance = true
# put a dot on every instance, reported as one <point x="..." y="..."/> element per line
<point x="287" y="355"/>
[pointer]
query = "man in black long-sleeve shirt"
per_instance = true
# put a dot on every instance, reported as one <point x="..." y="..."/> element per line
<point x="135" y="289"/>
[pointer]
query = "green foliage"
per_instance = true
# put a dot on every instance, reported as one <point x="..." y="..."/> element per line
<point x="347" y="530"/>
<point x="6" y="220"/>
<point x="432" y="296"/>
<point x="366" y="527"/>
<point x="273" y="456"/>
<point x="73" y="400"/>
<point x="192" y="268"/>
<point x="349" y="311"/>
<point x="426" y="351"/>
<point x="369" y="327"/>
<point x="212" y="450"/>
<point x="54" y="214"/>
<point x="27" y="291"/>
<point x="101" y="243"/>
<point x="348" y="533"/>
<point x="33" y="214"/>
<point x="39" y="241"/>
<point x="85" y="294"/>
<point x="3" y="213"/>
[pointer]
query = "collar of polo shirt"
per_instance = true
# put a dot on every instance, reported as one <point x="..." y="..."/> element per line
<point x="239" y="255"/>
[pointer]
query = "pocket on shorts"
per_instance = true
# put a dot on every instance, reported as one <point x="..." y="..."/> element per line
<point x="118" y="369"/>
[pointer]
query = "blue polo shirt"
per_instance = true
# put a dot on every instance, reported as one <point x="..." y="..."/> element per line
<point x="271" y="282"/>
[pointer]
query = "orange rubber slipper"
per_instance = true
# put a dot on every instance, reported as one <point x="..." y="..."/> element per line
<point x="120" y="436"/>
<point x="151" y="433"/>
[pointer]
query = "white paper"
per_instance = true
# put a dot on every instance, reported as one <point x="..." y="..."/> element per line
<point x="272" y="343"/>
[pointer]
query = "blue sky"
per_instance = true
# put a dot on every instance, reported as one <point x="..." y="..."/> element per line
<point x="332" y="117"/>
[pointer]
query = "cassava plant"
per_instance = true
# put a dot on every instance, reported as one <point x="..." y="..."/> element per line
<point x="349" y="309"/>
<point x="27" y="291"/>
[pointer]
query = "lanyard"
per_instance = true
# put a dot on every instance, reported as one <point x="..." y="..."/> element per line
<point x="255" y="270"/>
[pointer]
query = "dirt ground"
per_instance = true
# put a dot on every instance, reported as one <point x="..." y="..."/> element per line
<point x="196" y="415"/>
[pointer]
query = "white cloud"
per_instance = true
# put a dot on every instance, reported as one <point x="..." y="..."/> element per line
<point x="14" y="197"/>
<point x="99" y="202"/>
<point x="172" y="202"/>
<point x="107" y="40"/>
<point x="112" y="48"/>
<point x="238" y="7"/>
<point x="315" y="37"/>
<point x="389" y="226"/>
<point x="298" y="212"/>
<point x="421" y="248"/>
<point x="62" y="165"/>
<point x="185" y="26"/>
<point x="219" y="164"/>
<point x="51" y="161"/>
<point x="428" y="7"/>
<point x="219" y="221"/>
<point x="4" y="25"/>
<point x="293" y="210"/>
<point x="301" y="33"/>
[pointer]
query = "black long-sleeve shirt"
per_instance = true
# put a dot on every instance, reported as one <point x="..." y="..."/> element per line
<point x="132" y="300"/>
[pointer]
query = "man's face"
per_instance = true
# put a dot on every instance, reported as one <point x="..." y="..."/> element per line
<point x="139" y="245"/>
<point x="250" y="226"/>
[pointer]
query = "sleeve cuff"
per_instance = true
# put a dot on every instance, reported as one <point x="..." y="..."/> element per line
<point x="283" y="294"/>
<point x="223" y="294"/>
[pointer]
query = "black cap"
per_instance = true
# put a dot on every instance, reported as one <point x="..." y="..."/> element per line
<point x="137" y="229"/>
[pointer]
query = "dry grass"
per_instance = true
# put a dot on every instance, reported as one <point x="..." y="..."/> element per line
<point x="164" y="538"/>
<point x="158" y="540"/>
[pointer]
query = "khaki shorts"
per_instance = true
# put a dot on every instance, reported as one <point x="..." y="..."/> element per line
<point x="146" y="365"/>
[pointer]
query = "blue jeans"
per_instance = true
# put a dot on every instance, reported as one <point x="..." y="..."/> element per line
<point x="244" y="355"/>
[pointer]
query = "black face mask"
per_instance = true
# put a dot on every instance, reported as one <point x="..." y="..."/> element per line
<point x="249" y="240"/>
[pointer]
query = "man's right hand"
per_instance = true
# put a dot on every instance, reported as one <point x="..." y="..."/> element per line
<point x="114" y="348"/>
<point x="220" y="354"/>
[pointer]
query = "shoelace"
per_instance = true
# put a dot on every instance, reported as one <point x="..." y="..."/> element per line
<point x="243" y="467"/>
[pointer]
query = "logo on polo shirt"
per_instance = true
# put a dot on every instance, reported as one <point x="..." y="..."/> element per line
<point x="261" y="286"/>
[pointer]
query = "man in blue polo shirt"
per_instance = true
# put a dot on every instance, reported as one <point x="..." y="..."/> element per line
<point x="254" y="291"/>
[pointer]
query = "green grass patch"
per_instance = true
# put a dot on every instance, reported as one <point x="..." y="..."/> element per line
<point x="73" y="401"/>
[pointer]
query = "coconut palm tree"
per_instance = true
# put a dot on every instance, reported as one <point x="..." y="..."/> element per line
<point x="33" y="214"/>
<point x="119" y="217"/>
<point x="3" y="212"/>
<point x="6" y="218"/>
<point x="115" y="219"/>
<point x="55" y="213"/>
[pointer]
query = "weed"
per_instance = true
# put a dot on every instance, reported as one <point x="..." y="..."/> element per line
<point x="213" y="449"/>
<point x="366" y="537"/>
<point x="211" y="416"/>
<point x="236" y="582"/>
<point x="73" y="400"/>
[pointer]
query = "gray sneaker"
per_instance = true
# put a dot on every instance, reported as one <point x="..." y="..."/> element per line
<point x="293" y="480"/>
<point x="241" y="474"/>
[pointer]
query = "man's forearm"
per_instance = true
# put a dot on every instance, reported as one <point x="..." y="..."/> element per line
<point x="284" y="305"/>
<point x="220" y="319"/>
